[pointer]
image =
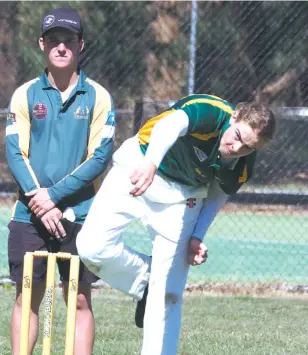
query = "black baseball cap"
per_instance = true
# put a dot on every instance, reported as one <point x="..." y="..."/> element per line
<point x="62" y="17"/>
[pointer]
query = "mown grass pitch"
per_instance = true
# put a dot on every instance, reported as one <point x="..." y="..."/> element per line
<point x="212" y="325"/>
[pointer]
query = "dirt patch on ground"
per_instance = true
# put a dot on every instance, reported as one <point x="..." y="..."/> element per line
<point x="265" y="209"/>
<point x="254" y="290"/>
<point x="214" y="289"/>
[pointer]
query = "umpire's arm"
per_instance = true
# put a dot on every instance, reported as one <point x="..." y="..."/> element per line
<point x="17" y="141"/>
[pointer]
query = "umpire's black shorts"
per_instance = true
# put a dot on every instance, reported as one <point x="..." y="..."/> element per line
<point x="27" y="237"/>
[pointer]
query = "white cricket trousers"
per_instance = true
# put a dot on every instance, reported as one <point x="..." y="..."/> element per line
<point x="101" y="247"/>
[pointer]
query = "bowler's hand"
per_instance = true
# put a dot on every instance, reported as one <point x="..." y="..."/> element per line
<point x="197" y="252"/>
<point x="142" y="177"/>
<point x="40" y="203"/>
<point x="52" y="223"/>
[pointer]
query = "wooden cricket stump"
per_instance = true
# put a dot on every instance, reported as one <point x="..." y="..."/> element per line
<point x="49" y="300"/>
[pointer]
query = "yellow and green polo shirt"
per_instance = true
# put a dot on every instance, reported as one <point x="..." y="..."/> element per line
<point x="194" y="159"/>
<point x="62" y="146"/>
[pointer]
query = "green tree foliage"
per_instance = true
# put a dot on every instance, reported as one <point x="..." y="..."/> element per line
<point x="29" y="15"/>
<point x="116" y="38"/>
<point x="253" y="50"/>
<point x="244" y="49"/>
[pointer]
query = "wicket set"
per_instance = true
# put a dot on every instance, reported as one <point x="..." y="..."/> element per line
<point x="49" y="300"/>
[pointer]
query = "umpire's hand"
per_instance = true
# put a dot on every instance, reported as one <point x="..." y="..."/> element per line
<point x="197" y="252"/>
<point x="52" y="222"/>
<point x="40" y="202"/>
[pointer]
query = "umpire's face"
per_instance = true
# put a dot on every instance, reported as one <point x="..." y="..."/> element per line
<point x="62" y="48"/>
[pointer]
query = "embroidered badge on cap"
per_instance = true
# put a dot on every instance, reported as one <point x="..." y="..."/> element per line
<point x="49" y="20"/>
<point x="39" y="111"/>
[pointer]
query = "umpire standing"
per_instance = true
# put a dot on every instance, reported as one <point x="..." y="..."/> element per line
<point x="59" y="139"/>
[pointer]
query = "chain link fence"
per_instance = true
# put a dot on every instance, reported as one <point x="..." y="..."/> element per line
<point x="244" y="50"/>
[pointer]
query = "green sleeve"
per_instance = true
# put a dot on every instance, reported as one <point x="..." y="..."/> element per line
<point x="206" y="113"/>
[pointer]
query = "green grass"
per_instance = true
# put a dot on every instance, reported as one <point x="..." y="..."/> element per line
<point x="243" y="247"/>
<point x="214" y="325"/>
<point x="5" y="214"/>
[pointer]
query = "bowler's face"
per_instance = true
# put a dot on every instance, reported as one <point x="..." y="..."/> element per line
<point x="62" y="47"/>
<point x="239" y="140"/>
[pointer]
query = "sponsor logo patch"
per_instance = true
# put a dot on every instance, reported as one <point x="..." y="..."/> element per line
<point x="199" y="172"/>
<point x="191" y="202"/>
<point x="39" y="111"/>
<point x="67" y="20"/>
<point x="11" y="116"/>
<point x="200" y="154"/>
<point x="82" y="113"/>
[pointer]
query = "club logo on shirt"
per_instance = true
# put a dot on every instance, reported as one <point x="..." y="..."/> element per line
<point x="39" y="111"/>
<point x="82" y="113"/>
<point x="200" y="154"/>
<point x="11" y="116"/>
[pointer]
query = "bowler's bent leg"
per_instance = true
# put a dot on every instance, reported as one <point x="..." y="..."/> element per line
<point x="169" y="270"/>
<point x="100" y="242"/>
